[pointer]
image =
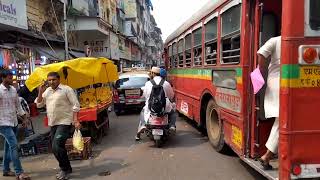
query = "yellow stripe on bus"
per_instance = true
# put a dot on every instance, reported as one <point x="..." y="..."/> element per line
<point x="300" y="83"/>
<point x="192" y="76"/>
<point x="239" y="80"/>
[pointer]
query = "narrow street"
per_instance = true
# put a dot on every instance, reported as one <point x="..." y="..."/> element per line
<point x="187" y="156"/>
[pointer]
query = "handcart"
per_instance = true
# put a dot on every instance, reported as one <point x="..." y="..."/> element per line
<point x="91" y="78"/>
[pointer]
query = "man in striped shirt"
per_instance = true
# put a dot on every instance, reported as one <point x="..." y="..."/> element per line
<point x="9" y="107"/>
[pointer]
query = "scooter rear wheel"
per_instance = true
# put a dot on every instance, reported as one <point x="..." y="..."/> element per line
<point x="158" y="143"/>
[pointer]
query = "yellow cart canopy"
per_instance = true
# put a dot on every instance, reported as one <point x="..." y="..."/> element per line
<point x="76" y="73"/>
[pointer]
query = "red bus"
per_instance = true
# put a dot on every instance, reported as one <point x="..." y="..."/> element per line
<point x="210" y="58"/>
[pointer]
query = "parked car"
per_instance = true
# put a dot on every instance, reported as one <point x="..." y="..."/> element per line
<point x="127" y="92"/>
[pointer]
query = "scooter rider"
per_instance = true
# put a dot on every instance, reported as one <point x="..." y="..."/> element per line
<point x="172" y="114"/>
<point x="145" y="113"/>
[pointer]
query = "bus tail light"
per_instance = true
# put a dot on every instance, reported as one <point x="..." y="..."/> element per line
<point x="309" y="54"/>
<point x="305" y="171"/>
<point x="296" y="170"/>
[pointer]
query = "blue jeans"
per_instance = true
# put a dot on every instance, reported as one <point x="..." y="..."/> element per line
<point x="10" y="149"/>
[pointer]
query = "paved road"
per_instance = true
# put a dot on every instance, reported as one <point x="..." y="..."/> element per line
<point x="187" y="156"/>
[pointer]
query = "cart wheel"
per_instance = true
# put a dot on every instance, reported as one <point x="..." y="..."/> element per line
<point x="96" y="134"/>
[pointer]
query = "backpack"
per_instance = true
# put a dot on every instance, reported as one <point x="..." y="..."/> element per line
<point x="157" y="100"/>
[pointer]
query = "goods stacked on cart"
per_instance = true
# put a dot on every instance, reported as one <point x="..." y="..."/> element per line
<point x="93" y="95"/>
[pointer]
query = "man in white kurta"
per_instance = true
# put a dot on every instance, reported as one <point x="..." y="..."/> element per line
<point x="269" y="64"/>
<point x="145" y="113"/>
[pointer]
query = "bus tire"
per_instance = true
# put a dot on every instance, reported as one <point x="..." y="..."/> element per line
<point x="214" y="128"/>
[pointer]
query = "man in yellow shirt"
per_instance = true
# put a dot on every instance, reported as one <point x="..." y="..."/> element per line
<point x="62" y="111"/>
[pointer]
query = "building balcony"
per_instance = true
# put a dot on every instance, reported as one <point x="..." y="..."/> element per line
<point x="87" y="23"/>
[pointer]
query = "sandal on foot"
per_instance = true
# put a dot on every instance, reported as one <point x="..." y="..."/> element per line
<point x="63" y="175"/>
<point x="265" y="165"/>
<point x="9" y="173"/>
<point x="67" y="172"/>
<point x="23" y="176"/>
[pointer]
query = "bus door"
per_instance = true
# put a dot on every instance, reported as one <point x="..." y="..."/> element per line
<point x="267" y="25"/>
<point x="268" y="21"/>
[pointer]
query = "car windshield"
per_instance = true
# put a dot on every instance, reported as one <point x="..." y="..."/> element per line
<point x="131" y="82"/>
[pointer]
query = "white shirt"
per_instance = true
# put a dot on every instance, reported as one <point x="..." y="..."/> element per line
<point x="147" y="92"/>
<point x="61" y="104"/>
<point x="272" y="49"/>
<point x="9" y="106"/>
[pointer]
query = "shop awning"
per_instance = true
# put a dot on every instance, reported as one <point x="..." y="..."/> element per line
<point x="43" y="36"/>
<point x="55" y="54"/>
<point x="76" y="54"/>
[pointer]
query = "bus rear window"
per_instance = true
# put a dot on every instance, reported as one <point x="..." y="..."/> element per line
<point x="314" y="20"/>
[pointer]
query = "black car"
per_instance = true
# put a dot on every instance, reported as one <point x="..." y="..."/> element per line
<point x="128" y="93"/>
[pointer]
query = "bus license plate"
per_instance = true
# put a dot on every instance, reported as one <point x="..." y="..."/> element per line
<point x="158" y="132"/>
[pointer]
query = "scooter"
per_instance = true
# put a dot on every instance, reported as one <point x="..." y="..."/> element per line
<point x="157" y="129"/>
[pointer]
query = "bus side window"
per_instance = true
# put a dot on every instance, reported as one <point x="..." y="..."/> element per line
<point x="188" y="50"/>
<point x="175" y="56"/>
<point x="180" y="52"/>
<point x="197" y="56"/>
<point x="170" y="56"/>
<point x="197" y="48"/>
<point x="231" y="35"/>
<point x="211" y="42"/>
<point x="176" y="60"/>
<point x="211" y="53"/>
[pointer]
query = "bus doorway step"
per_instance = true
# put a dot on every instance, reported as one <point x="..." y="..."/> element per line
<point x="270" y="174"/>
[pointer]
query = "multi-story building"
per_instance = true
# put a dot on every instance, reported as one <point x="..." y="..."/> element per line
<point x="140" y="29"/>
<point x="31" y="34"/>
<point x="117" y="29"/>
<point x="121" y="30"/>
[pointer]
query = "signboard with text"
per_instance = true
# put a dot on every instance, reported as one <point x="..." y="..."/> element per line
<point x="14" y="13"/>
<point x="114" y="46"/>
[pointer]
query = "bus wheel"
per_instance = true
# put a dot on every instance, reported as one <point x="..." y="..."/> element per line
<point x="214" y="128"/>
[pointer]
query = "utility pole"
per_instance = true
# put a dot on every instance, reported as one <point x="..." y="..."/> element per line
<point x="65" y="30"/>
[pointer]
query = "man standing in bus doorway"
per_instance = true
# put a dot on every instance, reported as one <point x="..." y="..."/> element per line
<point x="269" y="65"/>
<point x="145" y="113"/>
<point x="62" y="111"/>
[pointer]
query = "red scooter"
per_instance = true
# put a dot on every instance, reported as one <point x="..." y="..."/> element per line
<point x="158" y="129"/>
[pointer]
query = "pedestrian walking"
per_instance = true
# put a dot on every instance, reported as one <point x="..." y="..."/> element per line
<point x="62" y="111"/>
<point x="9" y="107"/>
